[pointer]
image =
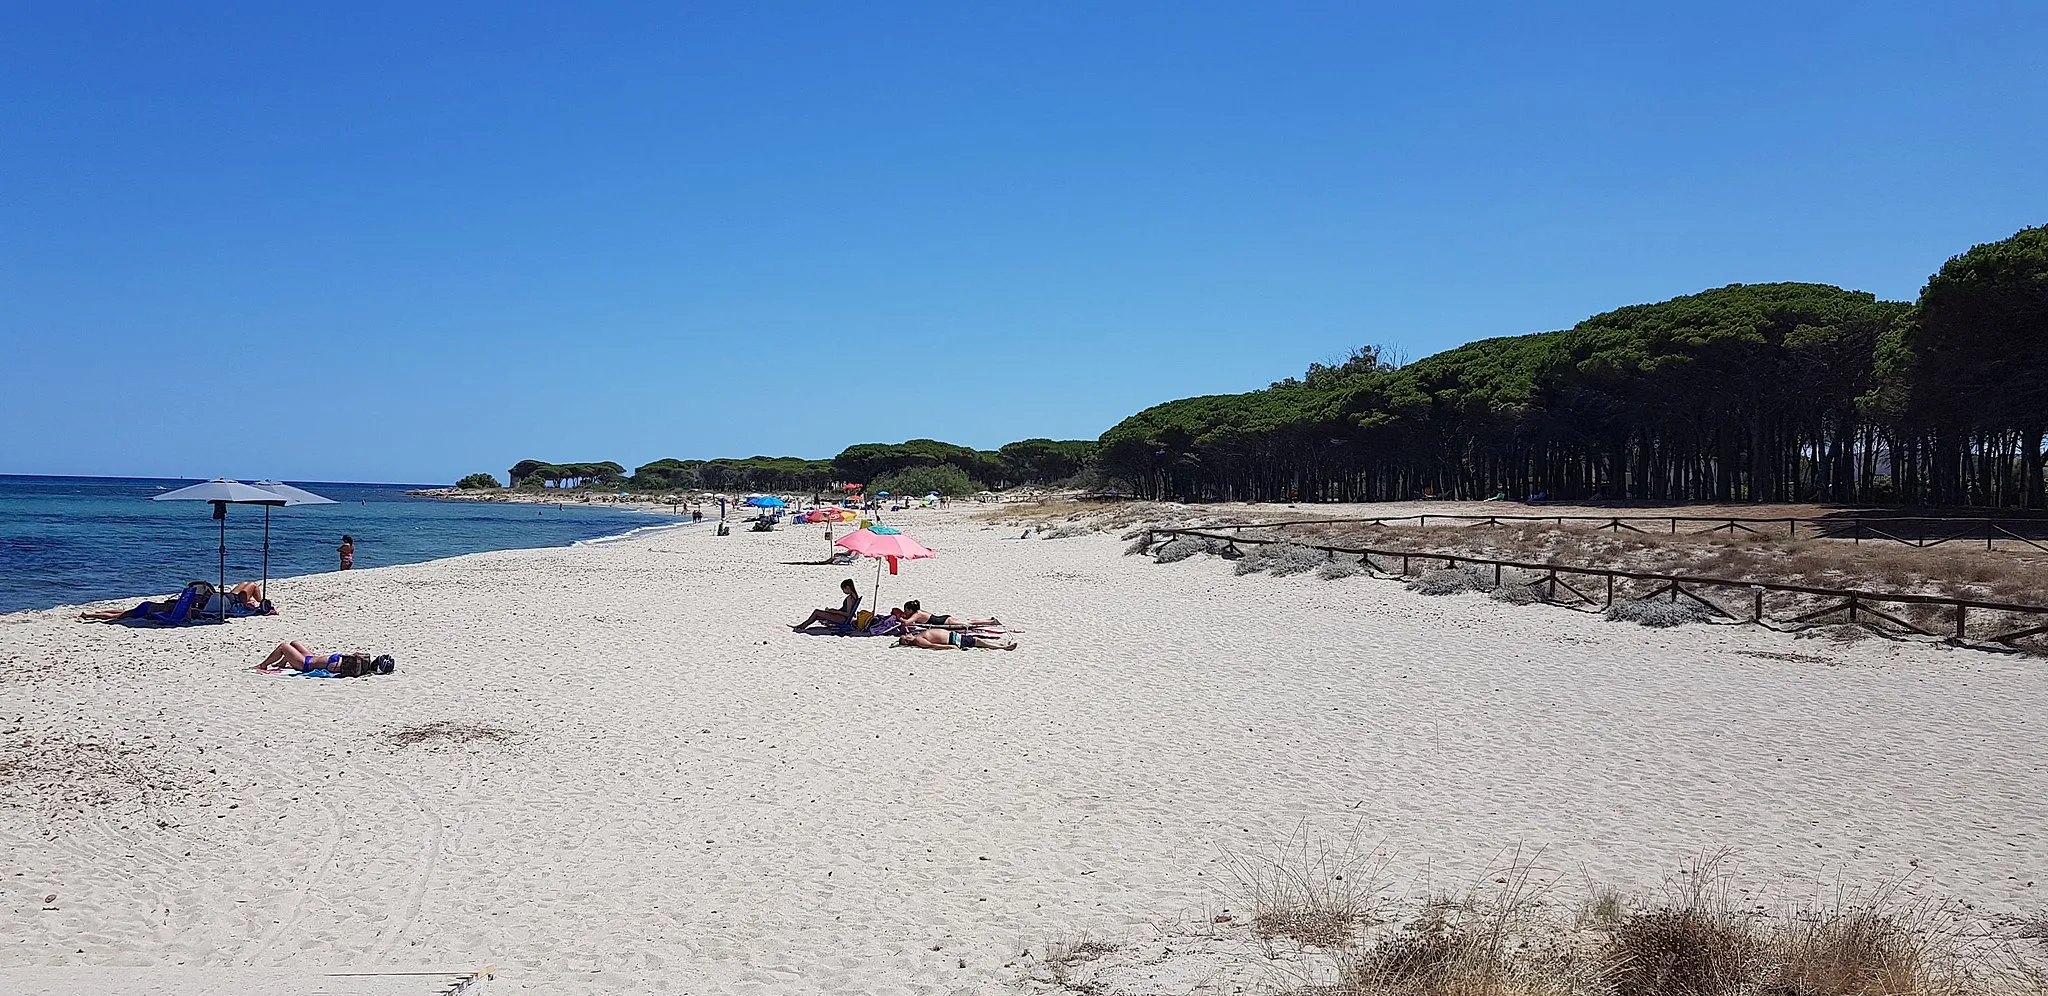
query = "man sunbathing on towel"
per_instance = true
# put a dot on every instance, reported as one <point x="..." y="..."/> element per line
<point x="914" y="614"/>
<point x="935" y="639"/>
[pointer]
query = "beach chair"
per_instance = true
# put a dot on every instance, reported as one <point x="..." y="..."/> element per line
<point x="180" y="612"/>
<point x="855" y="623"/>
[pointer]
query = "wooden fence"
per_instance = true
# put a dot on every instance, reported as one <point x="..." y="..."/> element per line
<point x="1910" y="530"/>
<point x="1552" y="579"/>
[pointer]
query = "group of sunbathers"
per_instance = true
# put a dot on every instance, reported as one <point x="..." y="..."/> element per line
<point x="245" y="598"/>
<point x="915" y="626"/>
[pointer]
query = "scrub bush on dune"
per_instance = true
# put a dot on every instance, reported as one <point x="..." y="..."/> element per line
<point x="1182" y="547"/>
<point x="1651" y="612"/>
<point x="1448" y="581"/>
<point x="1281" y="559"/>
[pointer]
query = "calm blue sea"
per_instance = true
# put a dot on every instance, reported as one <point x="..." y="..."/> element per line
<point x="78" y="539"/>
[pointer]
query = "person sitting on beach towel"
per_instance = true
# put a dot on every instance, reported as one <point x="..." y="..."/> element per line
<point x="913" y="613"/>
<point x="935" y="639"/>
<point x="834" y="617"/>
<point x="293" y="655"/>
<point x="246" y="597"/>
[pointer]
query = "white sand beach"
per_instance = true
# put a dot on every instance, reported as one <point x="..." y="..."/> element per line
<point x="694" y="799"/>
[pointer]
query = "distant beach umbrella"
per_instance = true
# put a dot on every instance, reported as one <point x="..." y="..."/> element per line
<point x="221" y="493"/>
<point x="767" y="502"/>
<point x="291" y="496"/>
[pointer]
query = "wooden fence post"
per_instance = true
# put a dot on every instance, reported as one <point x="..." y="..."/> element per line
<point x="1960" y="611"/>
<point x="1756" y="604"/>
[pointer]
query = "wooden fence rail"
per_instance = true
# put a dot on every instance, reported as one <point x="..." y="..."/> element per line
<point x="1855" y="529"/>
<point x="1853" y="603"/>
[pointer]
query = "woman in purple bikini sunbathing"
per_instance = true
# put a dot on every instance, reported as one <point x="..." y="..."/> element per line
<point x="292" y="655"/>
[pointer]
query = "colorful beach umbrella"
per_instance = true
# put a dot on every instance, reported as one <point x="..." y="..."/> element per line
<point x="884" y="543"/>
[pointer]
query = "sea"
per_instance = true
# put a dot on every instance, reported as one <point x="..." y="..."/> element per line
<point x="65" y="540"/>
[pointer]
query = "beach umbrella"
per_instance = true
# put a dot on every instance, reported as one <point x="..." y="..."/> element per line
<point x="765" y="502"/>
<point x="884" y="543"/>
<point x="291" y="496"/>
<point x="221" y="493"/>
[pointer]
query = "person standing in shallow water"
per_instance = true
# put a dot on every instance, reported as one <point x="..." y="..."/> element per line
<point x="347" y="549"/>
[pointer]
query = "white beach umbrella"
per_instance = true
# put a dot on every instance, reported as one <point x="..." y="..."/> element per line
<point x="222" y="493"/>
<point x="291" y="496"/>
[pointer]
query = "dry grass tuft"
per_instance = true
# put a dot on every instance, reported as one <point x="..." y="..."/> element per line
<point x="1855" y="952"/>
<point x="447" y="733"/>
<point x="1679" y="949"/>
<point x="1505" y="939"/>
<point x="1491" y="943"/>
<point x="1312" y="895"/>
<point x="1062" y="958"/>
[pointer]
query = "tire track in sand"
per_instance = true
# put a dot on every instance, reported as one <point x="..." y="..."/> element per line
<point x="422" y="877"/>
<point x="317" y="874"/>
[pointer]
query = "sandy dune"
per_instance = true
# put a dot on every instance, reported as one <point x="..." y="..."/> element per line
<point x="696" y="800"/>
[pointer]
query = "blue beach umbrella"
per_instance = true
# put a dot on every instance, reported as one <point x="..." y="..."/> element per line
<point x="766" y="502"/>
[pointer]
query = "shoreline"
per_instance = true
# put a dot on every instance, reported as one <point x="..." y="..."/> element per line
<point x="130" y="598"/>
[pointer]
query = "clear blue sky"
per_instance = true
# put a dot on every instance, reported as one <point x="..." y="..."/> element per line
<point x="403" y="242"/>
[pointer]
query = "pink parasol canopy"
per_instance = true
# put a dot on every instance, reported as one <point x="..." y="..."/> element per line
<point x="889" y="544"/>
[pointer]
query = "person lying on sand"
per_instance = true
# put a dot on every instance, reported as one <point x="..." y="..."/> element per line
<point x="248" y="596"/>
<point x="913" y="613"/>
<point x="935" y="639"/>
<point x="293" y="655"/>
<point x="834" y="617"/>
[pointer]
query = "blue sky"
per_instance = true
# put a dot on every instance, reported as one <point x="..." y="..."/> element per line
<point x="404" y="242"/>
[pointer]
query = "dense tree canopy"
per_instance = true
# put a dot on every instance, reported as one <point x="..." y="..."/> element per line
<point x="536" y="473"/>
<point x="1748" y="392"/>
<point x="1966" y="382"/>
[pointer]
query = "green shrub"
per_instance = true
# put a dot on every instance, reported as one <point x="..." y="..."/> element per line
<point x="475" y="481"/>
<point x="914" y="482"/>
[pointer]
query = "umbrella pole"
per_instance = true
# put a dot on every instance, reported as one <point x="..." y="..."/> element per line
<point x="223" y="562"/>
<point x="266" y="552"/>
